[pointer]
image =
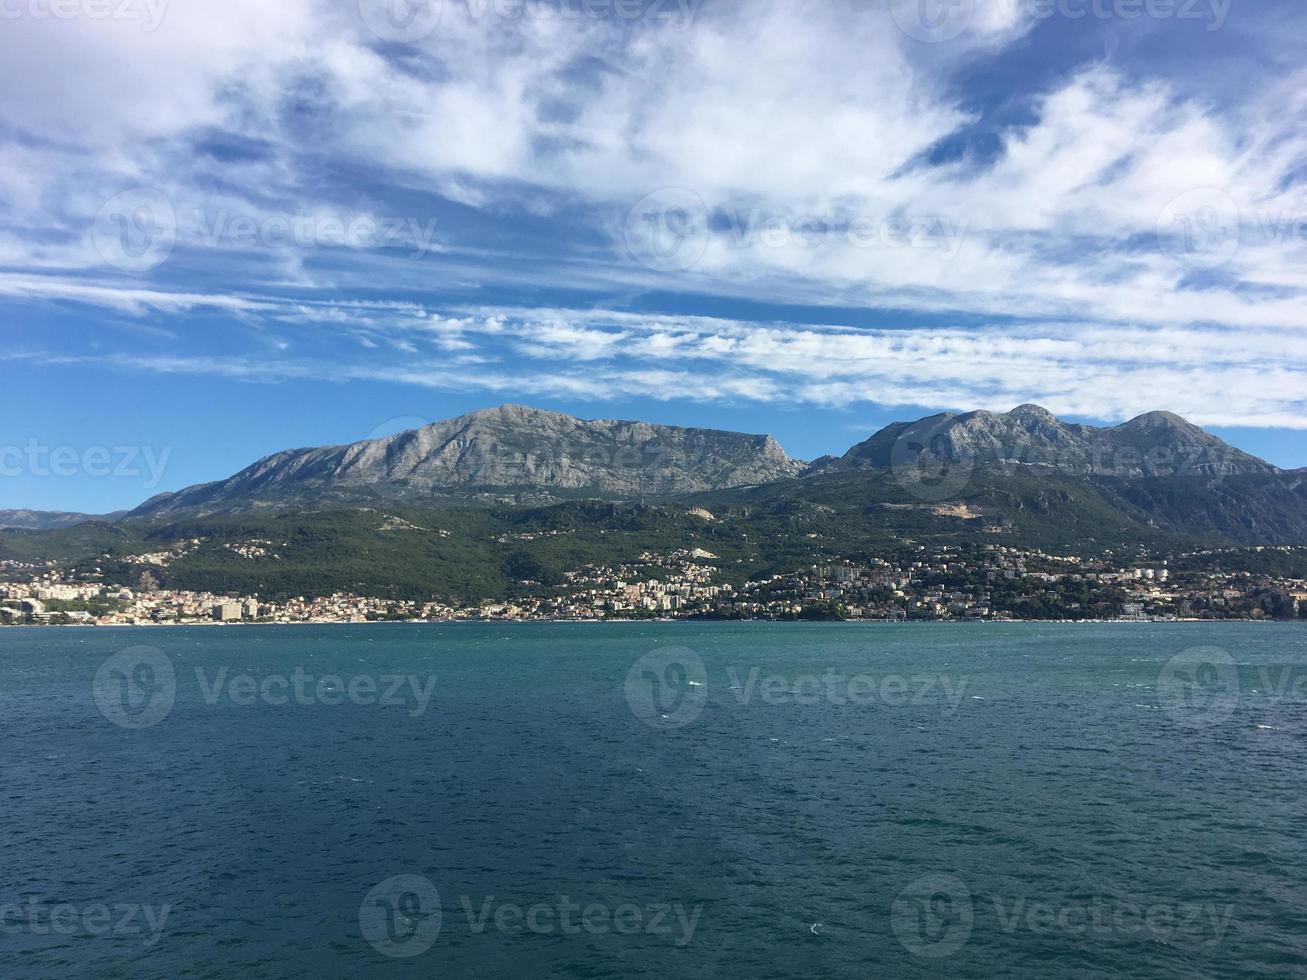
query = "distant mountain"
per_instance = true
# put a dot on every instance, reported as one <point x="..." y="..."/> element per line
<point x="1023" y="470"/>
<point x="480" y="504"/>
<point x="1157" y="471"/>
<point x="1158" y="444"/>
<point x="45" y="520"/>
<point x="510" y="447"/>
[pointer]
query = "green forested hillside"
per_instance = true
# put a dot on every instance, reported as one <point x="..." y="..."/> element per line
<point x="477" y="551"/>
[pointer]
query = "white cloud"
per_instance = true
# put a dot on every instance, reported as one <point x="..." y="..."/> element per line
<point x="779" y="111"/>
<point x="1108" y="372"/>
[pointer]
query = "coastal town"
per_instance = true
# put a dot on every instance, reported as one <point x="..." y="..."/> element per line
<point x="942" y="582"/>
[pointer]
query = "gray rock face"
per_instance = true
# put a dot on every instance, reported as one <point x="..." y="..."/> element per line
<point x="1156" y="444"/>
<point x="507" y="447"/>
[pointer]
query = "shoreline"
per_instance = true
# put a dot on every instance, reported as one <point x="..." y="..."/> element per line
<point x="663" y="622"/>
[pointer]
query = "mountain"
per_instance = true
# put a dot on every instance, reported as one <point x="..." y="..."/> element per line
<point x="479" y="505"/>
<point x="45" y="520"/>
<point x="1156" y="471"/>
<point x="507" y="448"/>
<point x="1158" y="444"/>
<point x="1026" y="469"/>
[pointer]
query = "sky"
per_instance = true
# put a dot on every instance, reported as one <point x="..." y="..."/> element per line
<point x="229" y="228"/>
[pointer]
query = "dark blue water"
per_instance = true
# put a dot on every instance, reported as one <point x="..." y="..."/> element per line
<point x="729" y="800"/>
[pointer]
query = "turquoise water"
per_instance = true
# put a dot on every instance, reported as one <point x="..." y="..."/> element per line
<point x="655" y="800"/>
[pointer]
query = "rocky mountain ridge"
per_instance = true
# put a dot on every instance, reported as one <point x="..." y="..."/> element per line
<point x="507" y="447"/>
<point x="1154" y="471"/>
<point x="1157" y="444"/>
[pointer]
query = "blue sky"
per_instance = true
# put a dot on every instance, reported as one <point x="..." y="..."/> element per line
<point x="226" y="229"/>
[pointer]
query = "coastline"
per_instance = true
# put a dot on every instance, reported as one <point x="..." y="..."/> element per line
<point x="606" y="622"/>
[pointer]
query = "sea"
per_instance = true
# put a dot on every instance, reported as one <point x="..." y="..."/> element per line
<point x="734" y="800"/>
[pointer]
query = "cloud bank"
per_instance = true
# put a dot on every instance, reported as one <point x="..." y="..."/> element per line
<point x="1112" y="234"/>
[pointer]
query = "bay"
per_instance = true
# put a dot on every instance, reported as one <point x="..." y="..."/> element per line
<point x="655" y="800"/>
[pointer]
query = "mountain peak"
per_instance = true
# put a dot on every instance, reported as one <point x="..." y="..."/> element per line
<point x="1158" y="420"/>
<point x="1156" y="444"/>
<point x="1031" y="411"/>
<point x="508" y="448"/>
<point x="513" y="413"/>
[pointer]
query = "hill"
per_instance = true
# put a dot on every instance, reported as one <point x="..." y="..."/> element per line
<point x="1152" y="445"/>
<point x="44" y="520"/>
<point x="511" y="448"/>
<point x="414" y="515"/>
